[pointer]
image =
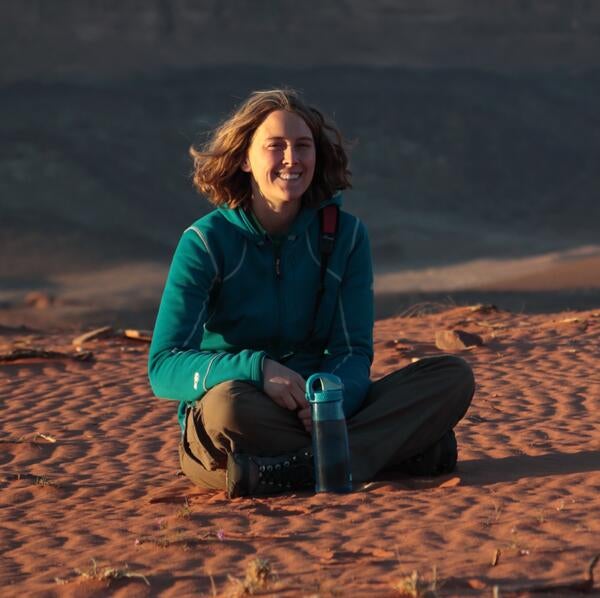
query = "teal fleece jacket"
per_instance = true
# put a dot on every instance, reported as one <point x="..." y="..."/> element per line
<point x="228" y="304"/>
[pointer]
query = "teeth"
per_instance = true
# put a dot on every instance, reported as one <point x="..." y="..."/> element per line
<point x="288" y="177"/>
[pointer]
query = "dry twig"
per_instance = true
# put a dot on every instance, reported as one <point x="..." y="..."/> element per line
<point x="105" y="574"/>
<point x="17" y="354"/>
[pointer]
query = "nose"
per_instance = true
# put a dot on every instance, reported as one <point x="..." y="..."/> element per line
<point x="290" y="155"/>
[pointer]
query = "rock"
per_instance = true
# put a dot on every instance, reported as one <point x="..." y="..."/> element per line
<point x="484" y="308"/>
<point x="456" y="340"/>
<point x="402" y="347"/>
<point x="39" y="300"/>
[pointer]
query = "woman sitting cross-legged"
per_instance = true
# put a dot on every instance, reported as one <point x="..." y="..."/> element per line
<point x="271" y="286"/>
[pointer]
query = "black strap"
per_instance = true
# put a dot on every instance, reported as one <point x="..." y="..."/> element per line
<point x="329" y="224"/>
<point x="328" y="230"/>
<point x="329" y="216"/>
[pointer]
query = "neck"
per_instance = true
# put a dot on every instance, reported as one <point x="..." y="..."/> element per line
<point x="275" y="219"/>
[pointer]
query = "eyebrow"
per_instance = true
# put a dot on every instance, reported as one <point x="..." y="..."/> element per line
<point x="304" y="138"/>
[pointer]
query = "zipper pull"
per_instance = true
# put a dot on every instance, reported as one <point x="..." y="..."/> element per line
<point x="278" y="267"/>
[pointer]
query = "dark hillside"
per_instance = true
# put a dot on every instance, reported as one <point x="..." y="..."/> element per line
<point x="469" y="162"/>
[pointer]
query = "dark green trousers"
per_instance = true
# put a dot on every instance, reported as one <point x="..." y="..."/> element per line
<point x="403" y="414"/>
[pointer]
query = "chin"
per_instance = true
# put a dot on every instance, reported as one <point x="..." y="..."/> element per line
<point x="287" y="198"/>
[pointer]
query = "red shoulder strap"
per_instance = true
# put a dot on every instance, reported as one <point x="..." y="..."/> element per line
<point x="329" y="223"/>
<point x="329" y="218"/>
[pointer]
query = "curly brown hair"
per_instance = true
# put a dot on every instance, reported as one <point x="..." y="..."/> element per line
<point x="217" y="173"/>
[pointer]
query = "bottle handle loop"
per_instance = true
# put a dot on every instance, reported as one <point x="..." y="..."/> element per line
<point x="322" y="383"/>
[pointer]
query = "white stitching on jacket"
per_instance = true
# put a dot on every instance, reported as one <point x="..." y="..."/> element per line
<point x="354" y="236"/>
<point x="312" y="254"/>
<point x="212" y="284"/>
<point x="346" y="335"/>
<point x="207" y="371"/>
<point x="199" y="318"/>
<point x="232" y="274"/>
<point x="205" y="242"/>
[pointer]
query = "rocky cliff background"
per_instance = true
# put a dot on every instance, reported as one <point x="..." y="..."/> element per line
<point x="474" y="125"/>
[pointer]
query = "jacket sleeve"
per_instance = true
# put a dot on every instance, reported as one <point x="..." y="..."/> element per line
<point x="349" y="352"/>
<point x="177" y="368"/>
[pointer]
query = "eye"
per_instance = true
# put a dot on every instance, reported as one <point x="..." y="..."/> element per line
<point x="275" y="146"/>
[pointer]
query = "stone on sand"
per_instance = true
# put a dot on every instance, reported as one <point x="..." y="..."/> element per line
<point x="39" y="300"/>
<point x="456" y="340"/>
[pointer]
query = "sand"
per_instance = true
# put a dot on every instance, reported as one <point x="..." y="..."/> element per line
<point x="577" y="268"/>
<point x="90" y="488"/>
<point x="128" y="294"/>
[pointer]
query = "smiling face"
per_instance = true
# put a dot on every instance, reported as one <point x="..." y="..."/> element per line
<point x="281" y="159"/>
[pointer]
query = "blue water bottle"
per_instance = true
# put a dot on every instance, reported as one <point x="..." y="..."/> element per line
<point x="331" y="452"/>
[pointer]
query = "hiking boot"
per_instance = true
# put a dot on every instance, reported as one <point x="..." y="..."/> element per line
<point x="249" y="475"/>
<point x="438" y="459"/>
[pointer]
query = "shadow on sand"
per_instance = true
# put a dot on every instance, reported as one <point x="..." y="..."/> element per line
<point x="486" y="471"/>
<point x="511" y="469"/>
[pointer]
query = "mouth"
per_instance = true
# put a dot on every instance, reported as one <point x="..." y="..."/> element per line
<point x="289" y="176"/>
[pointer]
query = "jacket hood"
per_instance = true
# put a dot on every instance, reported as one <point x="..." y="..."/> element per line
<point x="243" y="223"/>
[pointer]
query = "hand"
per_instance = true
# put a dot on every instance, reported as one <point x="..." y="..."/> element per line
<point x="286" y="388"/>
<point x="305" y="416"/>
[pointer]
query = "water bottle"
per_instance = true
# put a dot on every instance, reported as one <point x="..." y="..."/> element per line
<point x="331" y="453"/>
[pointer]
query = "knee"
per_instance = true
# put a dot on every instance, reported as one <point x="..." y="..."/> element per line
<point x="226" y="406"/>
<point x="462" y="376"/>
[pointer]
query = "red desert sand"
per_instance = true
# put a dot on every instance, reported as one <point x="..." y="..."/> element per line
<point x="93" y="503"/>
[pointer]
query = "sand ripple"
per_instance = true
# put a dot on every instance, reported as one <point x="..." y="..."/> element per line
<point x="107" y="489"/>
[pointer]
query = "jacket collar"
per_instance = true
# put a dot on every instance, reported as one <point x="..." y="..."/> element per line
<point x="238" y="218"/>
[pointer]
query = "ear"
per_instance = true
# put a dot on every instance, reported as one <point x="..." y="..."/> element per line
<point x="245" y="165"/>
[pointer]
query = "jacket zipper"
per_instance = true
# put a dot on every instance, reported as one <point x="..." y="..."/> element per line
<point x="277" y="267"/>
<point x="277" y="256"/>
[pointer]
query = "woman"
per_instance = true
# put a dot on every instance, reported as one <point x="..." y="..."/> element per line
<point x="260" y="295"/>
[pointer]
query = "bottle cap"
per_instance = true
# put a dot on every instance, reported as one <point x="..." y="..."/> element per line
<point x="324" y="388"/>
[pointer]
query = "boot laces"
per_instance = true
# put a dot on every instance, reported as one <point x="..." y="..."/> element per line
<point x="285" y="473"/>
